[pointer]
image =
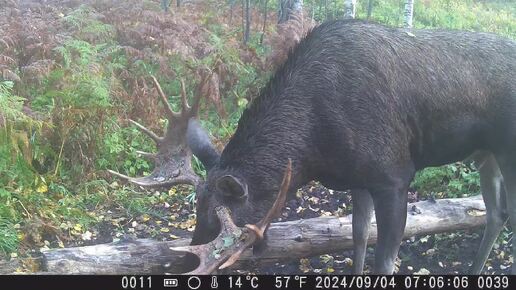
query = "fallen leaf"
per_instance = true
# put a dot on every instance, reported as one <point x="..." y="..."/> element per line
<point x="304" y="265"/>
<point x="86" y="236"/>
<point x="145" y="218"/>
<point x="422" y="271"/>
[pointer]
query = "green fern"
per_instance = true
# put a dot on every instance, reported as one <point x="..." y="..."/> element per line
<point x="10" y="105"/>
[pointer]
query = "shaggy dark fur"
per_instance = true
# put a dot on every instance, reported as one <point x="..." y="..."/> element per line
<point x="360" y="105"/>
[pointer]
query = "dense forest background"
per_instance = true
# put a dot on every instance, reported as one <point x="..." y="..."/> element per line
<point x="73" y="72"/>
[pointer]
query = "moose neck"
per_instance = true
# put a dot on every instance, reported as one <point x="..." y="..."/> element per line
<point x="260" y="148"/>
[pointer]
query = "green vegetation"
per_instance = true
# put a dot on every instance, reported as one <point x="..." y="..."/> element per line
<point x="71" y="78"/>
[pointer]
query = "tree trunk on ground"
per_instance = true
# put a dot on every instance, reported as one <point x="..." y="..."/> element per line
<point x="350" y="7"/>
<point x="408" y="13"/>
<point x="286" y="241"/>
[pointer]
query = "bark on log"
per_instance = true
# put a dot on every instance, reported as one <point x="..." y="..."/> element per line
<point x="286" y="240"/>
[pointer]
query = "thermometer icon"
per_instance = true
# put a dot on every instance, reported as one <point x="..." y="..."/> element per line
<point x="214" y="283"/>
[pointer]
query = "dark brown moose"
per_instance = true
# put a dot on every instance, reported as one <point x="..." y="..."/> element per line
<point x="359" y="106"/>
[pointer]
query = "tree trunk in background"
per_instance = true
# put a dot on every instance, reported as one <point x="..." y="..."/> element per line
<point x="247" y="27"/>
<point x="325" y="9"/>
<point x="164" y="5"/>
<point x="334" y="12"/>
<point x="231" y="9"/>
<point x="178" y="3"/>
<point x="408" y="13"/>
<point x="320" y="7"/>
<point x="349" y="9"/>
<point x="312" y="13"/>
<point x="369" y="9"/>
<point x="265" y="8"/>
<point x="243" y="18"/>
<point x="287" y="8"/>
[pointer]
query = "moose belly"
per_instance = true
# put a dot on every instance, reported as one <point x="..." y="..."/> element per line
<point x="452" y="142"/>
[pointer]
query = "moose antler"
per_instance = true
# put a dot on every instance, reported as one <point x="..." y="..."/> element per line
<point x="173" y="160"/>
<point x="232" y="240"/>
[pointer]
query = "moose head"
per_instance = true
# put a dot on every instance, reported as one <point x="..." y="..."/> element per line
<point x="224" y="207"/>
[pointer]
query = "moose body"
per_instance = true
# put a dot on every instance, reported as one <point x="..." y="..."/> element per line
<point x="362" y="106"/>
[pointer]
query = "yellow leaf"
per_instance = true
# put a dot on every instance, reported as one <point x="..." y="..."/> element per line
<point x="174" y="237"/>
<point x="304" y="265"/>
<point x="330" y="270"/>
<point x="42" y="188"/>
<point x="77" y="227"/>
<point x="164" y="230"/>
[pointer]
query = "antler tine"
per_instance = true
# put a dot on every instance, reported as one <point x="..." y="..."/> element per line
<point x="150" y="156"/>
<point x="170" y="113"/>
<point x="120" y="175"/>
<point x="279" y="202"/>
<point x="194" y="110"/>
<point x="155" y="180"/>
<point x="184" y="100"/>
<point x="149" y="133"/>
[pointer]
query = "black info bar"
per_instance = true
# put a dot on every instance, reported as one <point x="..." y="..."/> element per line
<point x="247" y="282"/>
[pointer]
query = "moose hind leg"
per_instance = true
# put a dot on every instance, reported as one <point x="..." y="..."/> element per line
<point x="390" y="204"/>
<point x="362" y="215"/>
<point x="491" y="183"/>
<point x="507" y="165"/>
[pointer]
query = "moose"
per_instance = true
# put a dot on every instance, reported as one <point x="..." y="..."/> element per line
<point x="357" y="106"/>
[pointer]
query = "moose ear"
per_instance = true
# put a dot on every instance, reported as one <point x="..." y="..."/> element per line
<point x="200" y="144"/>
<point x="230" y="186"/>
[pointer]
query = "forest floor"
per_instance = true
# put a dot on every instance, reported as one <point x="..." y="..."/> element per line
<point x="447" y="253"/>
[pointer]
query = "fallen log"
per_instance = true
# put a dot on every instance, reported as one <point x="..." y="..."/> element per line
<point x="286" y="241"/>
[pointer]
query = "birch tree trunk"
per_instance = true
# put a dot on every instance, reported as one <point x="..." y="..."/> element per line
<point x="408" y="13"/>
<point x="349" y="9"/>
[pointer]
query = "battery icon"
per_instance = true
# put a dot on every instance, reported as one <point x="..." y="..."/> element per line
<point x="170" y="283"/>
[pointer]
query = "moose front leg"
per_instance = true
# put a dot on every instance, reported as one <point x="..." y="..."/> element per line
<point x="361" y="221"/>
<point x="390" y="204"/>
